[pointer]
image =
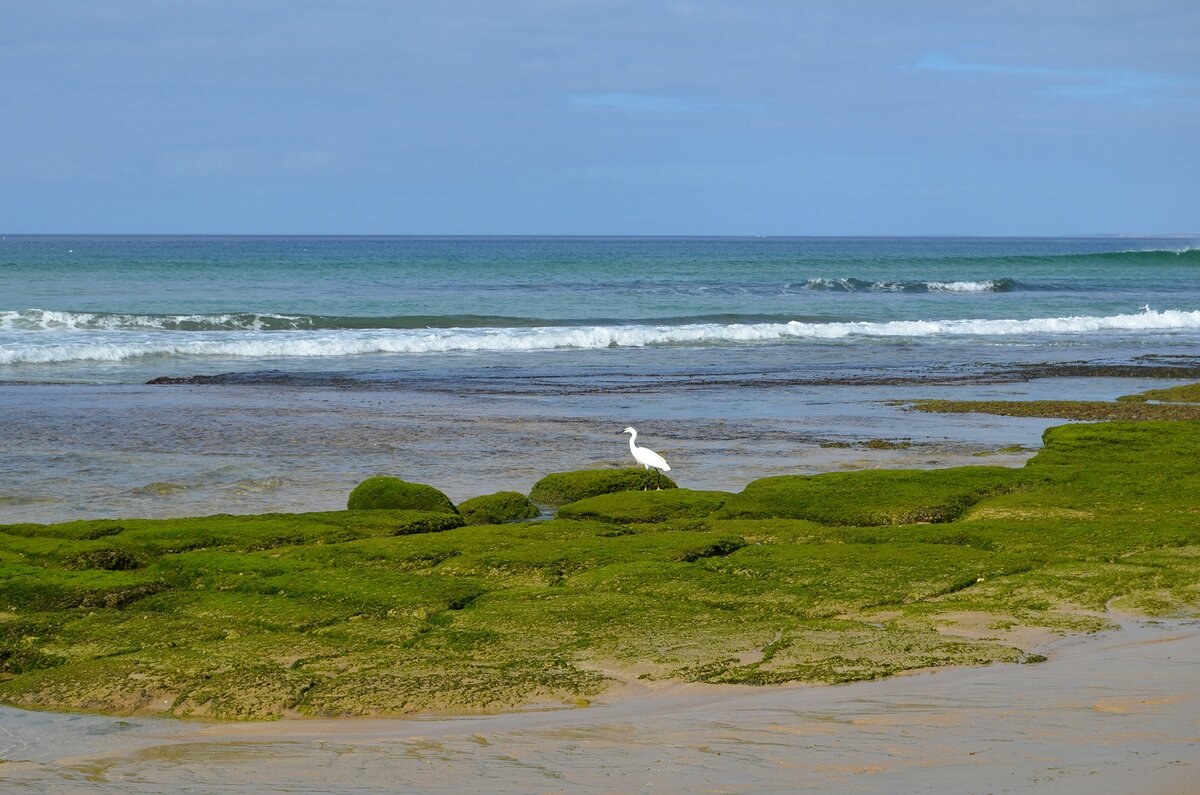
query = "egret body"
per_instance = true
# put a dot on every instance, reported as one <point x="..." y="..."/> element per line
<point x="645" y="456"/>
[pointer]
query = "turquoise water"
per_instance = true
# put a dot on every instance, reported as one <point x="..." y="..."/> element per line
<point x="481" y="364"/>
<point x="174" y="305"/>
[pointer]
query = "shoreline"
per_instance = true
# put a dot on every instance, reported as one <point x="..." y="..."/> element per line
<point x="1118" y="704"/>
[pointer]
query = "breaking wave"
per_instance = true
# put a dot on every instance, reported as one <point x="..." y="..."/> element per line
<point x="123" y="345"/>
<point x="59" y="320"/>
<point x="860" y="285"/>
<point x="1187" y="253"/>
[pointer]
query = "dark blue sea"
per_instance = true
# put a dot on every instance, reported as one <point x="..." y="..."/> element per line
<point x="287" y="368"/>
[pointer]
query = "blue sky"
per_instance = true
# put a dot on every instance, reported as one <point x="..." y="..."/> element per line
<point x="601" y="117"/>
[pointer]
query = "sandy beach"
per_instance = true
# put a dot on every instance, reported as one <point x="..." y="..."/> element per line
<point x="1114" y="712"/>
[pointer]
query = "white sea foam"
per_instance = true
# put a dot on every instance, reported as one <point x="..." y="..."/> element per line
<point x="989" y="285"/>
<point x="116" y="346"/>
<point x="859" y="285"/>
<point x="1188" y="249"/>
<point x="59" y="320"/>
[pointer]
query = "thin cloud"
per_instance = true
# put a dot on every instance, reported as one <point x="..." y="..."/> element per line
<point x="655" y="103"/>
<point x="1080" y="82"/>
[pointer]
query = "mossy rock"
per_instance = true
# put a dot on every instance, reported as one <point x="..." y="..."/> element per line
<point x="34" y="588"/>
<point x="560" y="488"/>
<point x="346" y="613"/>
<point x="1188" y="393"/>
<point x="503" y="506"/>
<point x="404" y="523"/>
<point x="1128" y="410"/>
<point x="19" y="660"/>
<point x="388" y="492"/>
<point x="105" y="558"/>
<point x="1151" y="446"/>
<point x="872" y="497"/>
<point x="645" y="507"/>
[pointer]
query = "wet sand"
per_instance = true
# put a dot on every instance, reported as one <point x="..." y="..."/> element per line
<point x="1115" y="712"/>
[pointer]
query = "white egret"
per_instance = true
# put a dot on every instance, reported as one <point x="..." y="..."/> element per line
<point x="647" y="457"/>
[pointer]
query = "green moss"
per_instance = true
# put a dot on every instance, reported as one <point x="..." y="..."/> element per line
<point x="871" y="444"/>
<point x="33" y="588"/>
<point x="105" y="558"/>
<point x="1187" y="393"/>
<point x="834" y="650"/>
<point x="396" y="494"/>
<point x="1064" y="409"/>
<point x="1006" y="450"/>
<point x="147" y="539"/>
<point x="874" y="497"/>
<point x="23" y="659"/>
<point x="887" y="444"/>
<point x="503" y="506"/>
<point x="637" y="507"/>
<point x="22" y="644"/>
<point x="560" y="488"/>
<point x="818" y="579"/>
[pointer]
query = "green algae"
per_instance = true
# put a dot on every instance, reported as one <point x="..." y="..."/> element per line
<point x="1187" y="393"/>
<point x="105" y="558"/>
<point x="396" y="494"/>
<point x="1006" y="450"/>
<point x="646" y="506"/>
<point x="503" y="506"/>
<point x="827" y="578"/>
<point x="871" y="444"/>
<point x="873" y="497"/>
<point x="864" y="651"/>
<point x="887" y="444"/>
<point x="149" y="538"/>
<point x="1062" y="409"/>
<point x="560" y="488"/>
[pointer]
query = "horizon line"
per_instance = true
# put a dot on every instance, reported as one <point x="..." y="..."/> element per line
<point x="618" y="236"/>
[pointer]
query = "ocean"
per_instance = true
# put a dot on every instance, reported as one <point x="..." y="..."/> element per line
<point x="162" y="376"/>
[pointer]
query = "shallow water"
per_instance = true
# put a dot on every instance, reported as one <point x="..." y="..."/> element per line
<point x="478" y="364"/>
<point x="1110" y="713"/>
<point x="80" y="451"/>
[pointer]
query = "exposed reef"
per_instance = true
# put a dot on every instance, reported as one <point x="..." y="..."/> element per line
<point x="382" y="491"/>
<point x="503" y="506"/>
<point x="560" y="488"/>
<point x="826" y="578"/>
<point x="1063" y="409"/>
<point x="1173" y="403"/>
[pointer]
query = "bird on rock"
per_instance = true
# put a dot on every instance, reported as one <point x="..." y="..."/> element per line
<point x="647" y="457"/>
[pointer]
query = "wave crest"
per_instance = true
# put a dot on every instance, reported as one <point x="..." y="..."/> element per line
<point x="305" y="344"/>
<point x="852" y="285"/>
<point x="61" y="320"/>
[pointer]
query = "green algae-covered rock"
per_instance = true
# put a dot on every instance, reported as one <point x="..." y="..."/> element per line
<point x="38" y="589"/>
<point x="872" y="497"/>
<point x="560" y="488"/>
<point x="1188" y="393"/>
<point x="387" y="492"/>
<point x="19" y="660"/>
<point x="405" y="523"/>
<point x="102" y="558"/>
<point x="644" y="507"/>
<point x="337" y="613"/>
<point x="503" y="506"/>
